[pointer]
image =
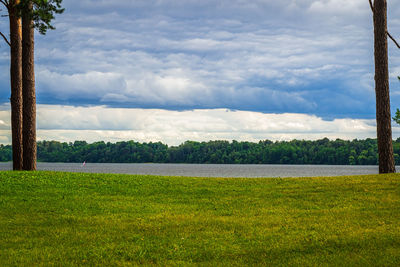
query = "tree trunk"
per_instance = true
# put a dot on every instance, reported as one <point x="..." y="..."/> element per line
<point x="29" y="96"/>
<point x="16" y="85"/>
<point x="383" y="116"/>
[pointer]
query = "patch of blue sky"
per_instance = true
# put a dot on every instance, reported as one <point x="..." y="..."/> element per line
<point x="312" y="57"/>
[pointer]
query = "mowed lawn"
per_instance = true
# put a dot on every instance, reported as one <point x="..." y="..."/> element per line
<point x="62" y="219"/>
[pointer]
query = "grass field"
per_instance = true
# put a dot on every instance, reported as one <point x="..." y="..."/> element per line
<point x="52" y="218"/>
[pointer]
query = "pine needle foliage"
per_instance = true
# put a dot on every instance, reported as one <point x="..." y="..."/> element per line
<point x="43" y="13"/>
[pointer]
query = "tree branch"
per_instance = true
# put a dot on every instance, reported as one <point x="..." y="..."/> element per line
<point x="5" y="3"/>
<point x="5" y="39"/>
<point x="388" y="34"/>
<point x="394" y="41"/>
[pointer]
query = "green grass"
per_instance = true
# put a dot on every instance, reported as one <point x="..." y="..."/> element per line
<point x="53" y="218"/>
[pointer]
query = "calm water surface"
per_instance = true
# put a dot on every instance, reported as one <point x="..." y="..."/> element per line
<point x="207" y="170"/>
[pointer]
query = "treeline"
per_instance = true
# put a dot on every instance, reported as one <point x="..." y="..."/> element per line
<point x="324" y="151"/>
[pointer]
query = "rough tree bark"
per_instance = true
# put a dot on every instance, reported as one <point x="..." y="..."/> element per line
<point x="29" y="95"/>
<point x="383" y="118"/>
<point x="16" y="85"/>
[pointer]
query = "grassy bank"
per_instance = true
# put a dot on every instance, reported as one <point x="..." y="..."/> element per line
<point x="91" y="219"/>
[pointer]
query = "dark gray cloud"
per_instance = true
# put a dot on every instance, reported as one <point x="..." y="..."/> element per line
<point x="301" y="56"/>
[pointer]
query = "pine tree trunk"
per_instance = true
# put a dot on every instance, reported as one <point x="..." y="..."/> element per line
<point x="383" y="116"/>
<point x="16" y="85"/>
<point x="29" y="95"/>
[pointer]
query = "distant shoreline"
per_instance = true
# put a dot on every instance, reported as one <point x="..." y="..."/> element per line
<point x="318" y="152"/>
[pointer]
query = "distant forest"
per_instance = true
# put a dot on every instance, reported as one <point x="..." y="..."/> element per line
<point x="324" y="151"/>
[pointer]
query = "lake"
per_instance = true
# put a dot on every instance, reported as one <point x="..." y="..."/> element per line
<point x="207" y="170"/>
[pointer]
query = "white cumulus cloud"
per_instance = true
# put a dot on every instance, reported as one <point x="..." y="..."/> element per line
<point x="68" y="123"/>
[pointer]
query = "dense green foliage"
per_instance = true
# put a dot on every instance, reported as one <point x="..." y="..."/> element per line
<point x="324" y="151"/>
<point x="43" y="12"/>
<point x="361" y="152"/>
<point x="70" y="219"/>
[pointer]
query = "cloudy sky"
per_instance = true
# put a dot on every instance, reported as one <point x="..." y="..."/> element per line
<point x="173" y="70"/>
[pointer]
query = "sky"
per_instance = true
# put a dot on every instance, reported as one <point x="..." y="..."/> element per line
<point x="177" y="70"/>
